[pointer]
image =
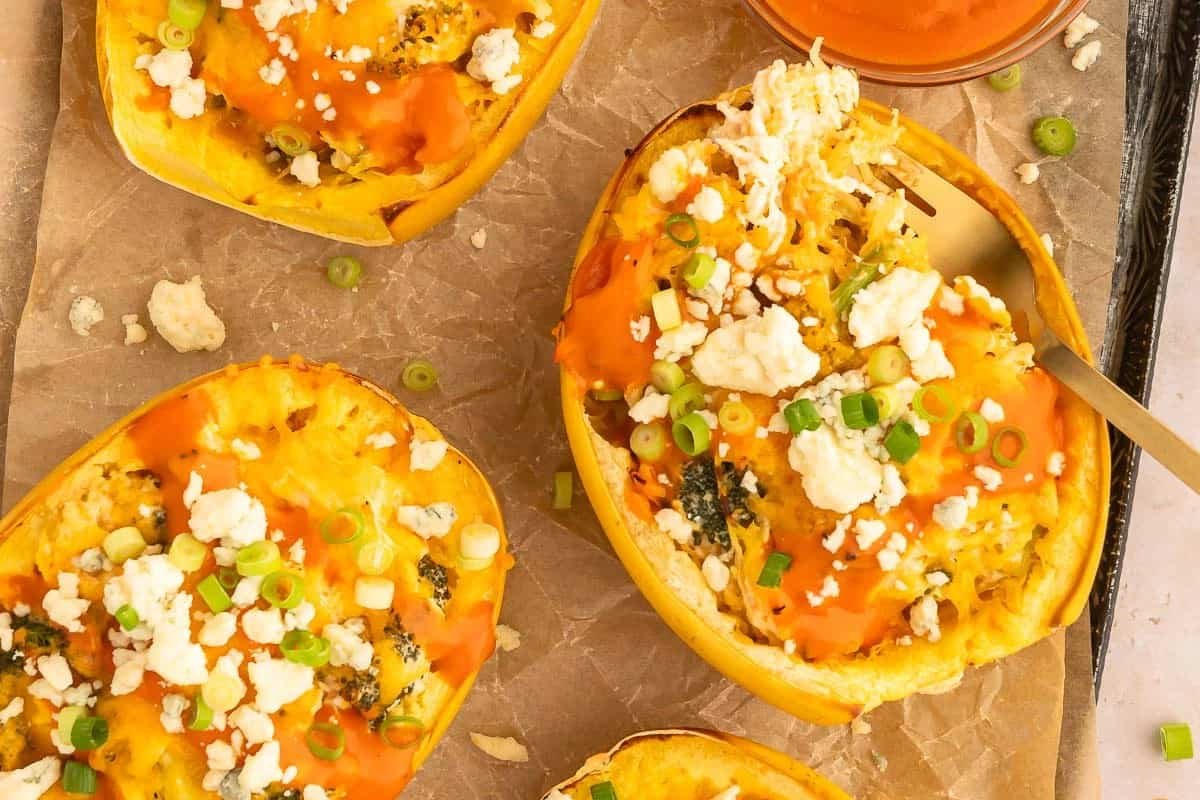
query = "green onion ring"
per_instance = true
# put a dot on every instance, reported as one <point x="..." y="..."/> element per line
<point x="404" y="725"/>
<point x="970" y="432"/>
<point x="682" y="219"/>
<point x="419" y="376"/>
<point x="943" y="399"/>
<point x="344" y="272"/>
<point x="282" y="589"/>
<point x="304" y="647"/>
<point x="691" y="434"/>
<point x="173" y="37"/>
<point x="259" y="558"/>
<point x="88" y="733"/>
<point x="319" y="729"/>
<point x="564" y="490"/>
<point x="202" y="715"/>
<point x="214" y="595"/>
<point x="353" y="515"/>
<point x="648" y="441"/>
<point x="666" y="376"/>
<point x="685" y="400"/>
<point x="291" y="140"/>
<point x="998" y="442"/>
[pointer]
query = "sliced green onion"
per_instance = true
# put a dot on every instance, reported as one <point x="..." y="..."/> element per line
<point x="419" y="376"/>
<point x="88" y="733"/>
<point x="293" y="141"/>
<point x="344" y="272"/>
<point x="343" y="526"/>
<point x="259" y="558"/>
<point x="685" y="400"/>
<point x="214" y="595"/>
<point x="478" y="543"/>
<point x="303" y="647"/>
<point x="1176" y="738"/>
<point x="736" y="418"/>
<point x="802" y="415"/>
<point x="187" y="553"/>
<point x="123" y="544"/>
<point x="665" y="306"/>
<point x="228" y="578"/>
<point x="402" y="732"/>
<point x="1006" y="79"/>
<point x="79" y="778"/>
<point x="173" y="37"/>
<point x="604" y="791"/>
<point x="925" y="412"/>
<point x="128" y="617"/>
<point x="374" y="557"/>
<point x="699" y="269"/>
<point x="186" y="13"/>
<point x="860" y="411"/>
<point x="666" y="377"/>
<point x="888" y="400"/>
<point x="648" y="441"/>
<point x="282" y="589"/>
<point x="998" y="454"/>
<point x="864" y="274"/>
<point x="691" y="434"/>
<point x="902" y="442"/>
<point x="771" y="575"/>
<point x="887" y="364"/>
<point x="67" y="719"/>
<point x="1054" y="136"/>
<point x="607" y="395"/>
<point x="319" y="731"/>
<point x="685" y="220"/>
<point x="971" y="432"/>
<point x="202" y="714"/>
<point x="564" y="490"/>
<point x="222" y="691"/>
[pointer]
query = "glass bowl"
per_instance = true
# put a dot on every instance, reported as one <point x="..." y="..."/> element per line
<point x="1032" y="36"/>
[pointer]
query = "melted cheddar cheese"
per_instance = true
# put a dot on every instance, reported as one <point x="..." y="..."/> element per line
<point x="777" y="247"/>
<point x="313" y="465"/>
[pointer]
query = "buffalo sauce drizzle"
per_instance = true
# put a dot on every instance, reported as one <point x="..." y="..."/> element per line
<point x="405" y="121"/>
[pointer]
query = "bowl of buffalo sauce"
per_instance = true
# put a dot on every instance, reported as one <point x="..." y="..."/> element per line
<point x="919" y="42"/>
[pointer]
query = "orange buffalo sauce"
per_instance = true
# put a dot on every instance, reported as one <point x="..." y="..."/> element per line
<point x="368" y="768"/>
<point x="610" y="292"/>
<point x="905" y="32"/>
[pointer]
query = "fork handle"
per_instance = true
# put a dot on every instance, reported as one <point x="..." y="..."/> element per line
<point x="1125" y="413"/>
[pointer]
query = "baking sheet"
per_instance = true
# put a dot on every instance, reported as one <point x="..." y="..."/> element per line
<point x="596" y="663"/>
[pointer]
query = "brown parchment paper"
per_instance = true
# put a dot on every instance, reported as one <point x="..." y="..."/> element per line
<point x="595" y="661"/>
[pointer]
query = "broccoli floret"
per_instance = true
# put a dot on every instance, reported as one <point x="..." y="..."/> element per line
<point x="361" y="690"/>
<point x="39" y="635"/>
<point x="701" y="501"/>
<point x="402" y="641"/>
<point x="736" y="495"/>
<point x="435" y="573"/>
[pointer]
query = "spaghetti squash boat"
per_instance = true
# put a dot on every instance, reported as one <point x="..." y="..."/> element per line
<point x="693" y="765"/>
<point x="366" y="121"/>
<point x="841" y="479"/>
<point x="270" y="582"/>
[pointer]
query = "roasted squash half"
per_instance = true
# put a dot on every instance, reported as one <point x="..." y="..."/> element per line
<point x="839" y="478"/>
<point x="366" y="121"/>
<point x="693" y="765"/>
<point x="271" y="581"/>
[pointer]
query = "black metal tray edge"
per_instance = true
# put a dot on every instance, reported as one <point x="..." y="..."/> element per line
<point x="1162" y="76"/>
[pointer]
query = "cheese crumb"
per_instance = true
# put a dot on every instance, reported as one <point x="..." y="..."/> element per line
<point x="135" y="332"/>
<point x="181" y="315"/>
<point x="85" y="312"/>
<point x="1028" y="173"/>
<point x="1086" y="56"/>
<point x="507" y="638"/>
<point x="479" y="239"/>
<point x="1080" y="28"/>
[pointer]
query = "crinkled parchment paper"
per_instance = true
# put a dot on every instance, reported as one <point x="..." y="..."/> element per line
<point x="595" y="662"/>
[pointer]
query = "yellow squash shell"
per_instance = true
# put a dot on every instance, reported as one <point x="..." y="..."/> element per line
<point x="375" y="209"/>
<point x="311" y="420"/>
<point x="835" y="692"/>
<point x="696" y="765"/>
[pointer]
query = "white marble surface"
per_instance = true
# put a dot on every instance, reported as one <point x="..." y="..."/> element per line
<point x="1153" y="670"/>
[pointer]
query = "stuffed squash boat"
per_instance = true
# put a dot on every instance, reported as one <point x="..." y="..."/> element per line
<point x="841" y="479"/>
<point x="361" y="120"/>
<point x="693" y="765"/>
<point x="272" y="582"/>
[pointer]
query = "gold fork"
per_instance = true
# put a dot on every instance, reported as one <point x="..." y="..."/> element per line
<point x="964" y="238"/>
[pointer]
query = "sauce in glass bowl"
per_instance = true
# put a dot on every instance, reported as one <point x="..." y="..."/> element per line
<point x="909" y="32"/>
